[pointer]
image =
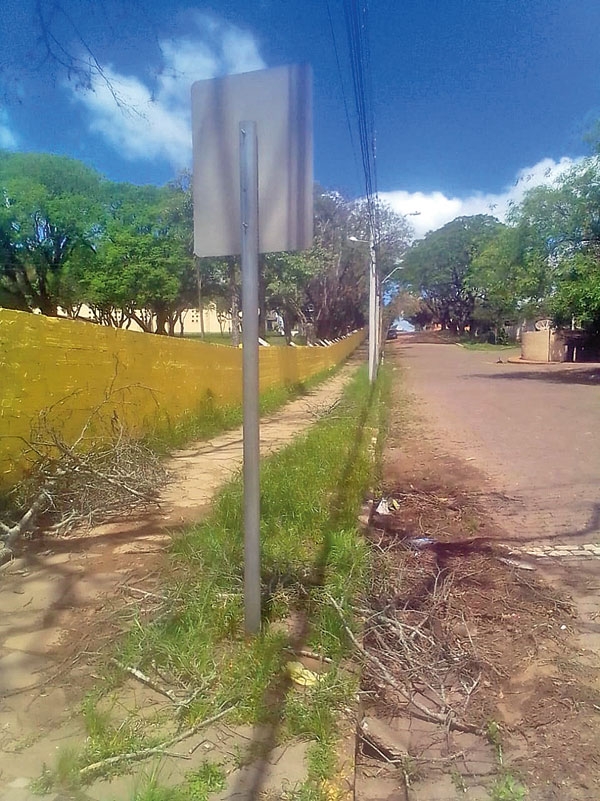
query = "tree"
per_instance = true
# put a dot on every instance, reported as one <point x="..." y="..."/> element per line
<point x="509" y="280"/>
<point x="560" y="228"/>
<point x="338" y="293"/>
<point x="287" y="278"/>
<point x="437" y="267"/>
<point x="145" y="270"/>
<point x="49" y="216"/>
<point x="392" y="232"/>
<point x="67" y="38"/>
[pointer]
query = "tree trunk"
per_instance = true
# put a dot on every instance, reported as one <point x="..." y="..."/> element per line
<point x="161" y="322"/>
<point x="262" y="299"/>
<point x="287" y="327"/>
<point x="200" y="298"/>
<point x="235" y="305"/>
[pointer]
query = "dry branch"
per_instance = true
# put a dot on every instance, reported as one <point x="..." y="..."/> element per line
<point x="144" y="753"/>
<point x="81" y="481"/>
<point x="446" y="718"/>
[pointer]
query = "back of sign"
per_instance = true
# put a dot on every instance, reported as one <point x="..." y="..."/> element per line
<point x="279" y="101"/>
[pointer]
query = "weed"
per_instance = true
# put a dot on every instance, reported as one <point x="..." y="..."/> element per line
<point x="458" y="781"/>
<point x="322" y="759"/>
<point x="311" y="492"/>
<point x="44" y="782"/>
<point x="67" y="768"/>
<point x="198" y="786"/>
<point x="212" y="417"/>
<point x="494" y="735"/>
<point x="64" y="776"/>
<point x="151" y="790"/>
<point x="508" y="788"/>
<point x="209" y="778"/>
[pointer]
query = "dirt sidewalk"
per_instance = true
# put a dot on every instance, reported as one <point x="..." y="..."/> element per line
<point x="55" y="596"/>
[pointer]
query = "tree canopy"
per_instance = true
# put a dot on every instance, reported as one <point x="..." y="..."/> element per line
<point x="437" y="267"/>
<point x="69" y="237"/>
<point x="544" y="262"/>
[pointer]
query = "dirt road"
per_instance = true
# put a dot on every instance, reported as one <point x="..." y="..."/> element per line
<point x="484" y="461"/>
<point x="531" y="429"/>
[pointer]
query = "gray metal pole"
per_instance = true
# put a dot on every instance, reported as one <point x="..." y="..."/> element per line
<point x="373" y="332"/>
<point x="249" y="234"/>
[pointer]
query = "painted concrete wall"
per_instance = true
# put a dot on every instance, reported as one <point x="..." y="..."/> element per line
<point x="191" y="320"/>
<point x="56" y="373"/>
<point x="543" y="346"/>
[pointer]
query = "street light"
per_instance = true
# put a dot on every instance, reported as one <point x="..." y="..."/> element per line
<point x="373" y="324"/>
<point x="389" y="275"/>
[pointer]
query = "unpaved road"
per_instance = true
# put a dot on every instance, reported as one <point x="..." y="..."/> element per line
<point x="483" y="455"/>
<point x="532" y="429"/>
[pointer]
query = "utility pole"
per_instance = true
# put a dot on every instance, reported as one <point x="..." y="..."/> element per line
<point x="373" y="324"/>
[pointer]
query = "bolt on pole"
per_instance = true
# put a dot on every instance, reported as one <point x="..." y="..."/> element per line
<point x="249" y="259"/>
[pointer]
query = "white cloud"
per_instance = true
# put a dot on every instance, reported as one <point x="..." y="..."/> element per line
<point x="430" y="210"/>
<point x="149" y="121"/>
<point x="8" y="138"/>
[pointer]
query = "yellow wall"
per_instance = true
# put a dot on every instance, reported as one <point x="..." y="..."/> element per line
<point x="61" y="371"/>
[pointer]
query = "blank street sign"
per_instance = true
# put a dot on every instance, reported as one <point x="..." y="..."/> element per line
<point x="280" y="102"/>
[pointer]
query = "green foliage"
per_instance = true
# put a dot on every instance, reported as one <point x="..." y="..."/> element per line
<point x="144" y="271"/>
<point x="437" y="268"/>
<point x="508" y="279"/>
<point x="50" y="215"/>
<point x="311" y="492"/>
<point x="507" y="788"/>
<point x="559" y="226"/>
<point x="199" y="785"/>
<point x="70" y="238"/>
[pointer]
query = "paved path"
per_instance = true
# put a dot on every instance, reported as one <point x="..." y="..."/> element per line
<point x="54" y="595"/>
<point x="534" y="431"/>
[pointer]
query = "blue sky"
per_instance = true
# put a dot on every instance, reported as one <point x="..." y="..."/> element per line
<point x="475" y="100"/>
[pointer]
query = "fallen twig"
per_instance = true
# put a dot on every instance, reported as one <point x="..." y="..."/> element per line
<point x="137" y="756"/>
<point x="137" y="674"/>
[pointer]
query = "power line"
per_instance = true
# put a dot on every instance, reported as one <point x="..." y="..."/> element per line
<point x="356" y="17"/>
<point x="341" y="79"/>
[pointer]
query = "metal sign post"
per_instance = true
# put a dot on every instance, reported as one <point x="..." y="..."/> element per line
<point x="227" y="192"/>
<point x="249" y="249"/>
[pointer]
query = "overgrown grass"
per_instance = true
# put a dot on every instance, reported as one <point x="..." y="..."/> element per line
<point x="311" y="549"/>
<point x="199" y="785"/>
<point x="211" y="418"/>
<point x="508" y="788"/>
<point x="470" y="345"/>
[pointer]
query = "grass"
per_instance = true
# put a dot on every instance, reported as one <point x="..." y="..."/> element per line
<point x="508" y="788"/>
<point x="469" y="345"/>
<point x="311" y="494"/>
<point x="211" y="418"/>
<point x="199" y="785"/>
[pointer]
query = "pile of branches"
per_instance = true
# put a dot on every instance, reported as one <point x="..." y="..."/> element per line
<point x="81" y="482"/>
<point x="440" y="636"/>
<point x="422" y="654"/>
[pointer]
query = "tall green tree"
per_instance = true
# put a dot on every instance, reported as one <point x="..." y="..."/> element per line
<point x="50" y="215"/>
<point x="437" y="268"/>
<point x="509" y="280"/>
<point x="560" y="226"/>
<point x="144" y="271"/>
